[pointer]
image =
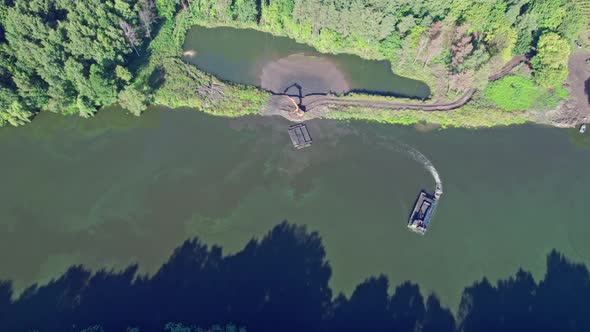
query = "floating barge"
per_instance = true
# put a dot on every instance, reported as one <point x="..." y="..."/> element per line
<point x="300" y="135"/>
<point x="422" y="213"/>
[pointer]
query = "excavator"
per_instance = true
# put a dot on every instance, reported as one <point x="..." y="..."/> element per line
<point x="297" y="111"/>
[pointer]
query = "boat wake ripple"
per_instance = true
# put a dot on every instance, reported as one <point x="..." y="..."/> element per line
<point x="421" y="158"/>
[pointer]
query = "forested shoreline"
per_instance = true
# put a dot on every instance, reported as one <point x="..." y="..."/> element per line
<point x="74" y="57"/>
<point x="69" y="57"/>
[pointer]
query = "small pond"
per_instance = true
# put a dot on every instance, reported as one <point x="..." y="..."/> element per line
<point x="257" y="58"/>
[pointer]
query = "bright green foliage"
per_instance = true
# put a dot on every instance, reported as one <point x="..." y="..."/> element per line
<point x="76" y="56"/>
<point x="550" y="63"/>
<point x="369" y="20"/>
<point x="123" y="73"/>
<point x="561" y="16"/>
<point x="498" y="27"/>
<point x="391" y="45"/>
<point x="103" y="85"/>
<point x="422" y="9"/>
<point x="550" y="13"/>
<point x="276" y="14"/>
<point x="573" y="23"/>
<point x="245" y="10"/>
<point x="186" y="86"/>
<point x="477" y="58"/>
<point x="15" y="115"/>
<point x="167" y="8"/>
<point x="164" y="43"/>
<point x="66" y="56"/>
<point x="327" y="39"/>
<point x="525" y="26"/>
<point x="487" y="17"/>
<point x="221" y="9"/>
<point x="124" y="9"/>
<point x="406" y="24"/>
<point x="517" y="93"/>
<point x="468" y="116"/>
<point x="461" y="35"/>
<point x="133" y="100"/>
<point x="505" y="42"/>
<point x="513" y="93"/>
<point x="551" y="98"/>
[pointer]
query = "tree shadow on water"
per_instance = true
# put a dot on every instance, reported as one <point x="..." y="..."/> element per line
<point x="280" y="282"/>
<point x="371" y="309"/>
<point x="559" y="302"/>
<point x="280" y="279"/>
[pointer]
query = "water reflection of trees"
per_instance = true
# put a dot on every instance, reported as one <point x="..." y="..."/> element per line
<point x="281" y="282"/>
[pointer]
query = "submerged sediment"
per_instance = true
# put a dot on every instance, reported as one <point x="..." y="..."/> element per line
<point x="301" y="75"/>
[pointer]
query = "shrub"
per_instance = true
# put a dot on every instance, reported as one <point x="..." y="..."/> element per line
<point x="513" y="93"/>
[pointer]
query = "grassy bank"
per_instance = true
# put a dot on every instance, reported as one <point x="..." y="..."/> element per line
<point x="174" y="83"/>
<point x="468" y="116"/>
<point x="183" y="85"/>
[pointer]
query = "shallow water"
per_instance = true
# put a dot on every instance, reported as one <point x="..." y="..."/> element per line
<point x="240" y="55"/>
<point x="116" y="189"/>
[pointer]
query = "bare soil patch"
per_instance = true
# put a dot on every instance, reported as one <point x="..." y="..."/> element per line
<point x="577" y="109"/>
<point x="505" y="70"/>
<point x="579" y="80"/>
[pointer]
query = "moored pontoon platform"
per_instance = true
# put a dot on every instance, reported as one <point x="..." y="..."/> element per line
<point x="300" y="135"/>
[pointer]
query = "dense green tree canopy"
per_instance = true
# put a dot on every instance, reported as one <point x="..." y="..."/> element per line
<point x="370" y="20"/>
<point x="65" y="55"/>
<point x="463" y="35"/>
<point x="503" y="27"/>
<point x="74" y="56"/>
<point x="550" y="63"/>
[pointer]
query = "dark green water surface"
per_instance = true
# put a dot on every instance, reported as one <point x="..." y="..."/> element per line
<point x="239" y="55"/>
<point x="116" y="190"/>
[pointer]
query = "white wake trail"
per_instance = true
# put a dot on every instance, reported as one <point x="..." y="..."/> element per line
<point x="421" y="158"/>
<point x="418" y="157"/>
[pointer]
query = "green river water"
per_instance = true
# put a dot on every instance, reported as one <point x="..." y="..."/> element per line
<point x="115" y="190"/>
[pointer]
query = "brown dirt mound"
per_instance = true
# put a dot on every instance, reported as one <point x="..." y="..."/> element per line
<point x="576" y="110"/>
<point x="313" y="74"/>
<point x="579" y="80"/>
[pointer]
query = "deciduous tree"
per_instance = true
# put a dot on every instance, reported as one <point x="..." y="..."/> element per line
<point x="245" y="10"/>
<point x="550" y="63"/>
<point x="62" y="55"/>
<point x="133" y="100"/>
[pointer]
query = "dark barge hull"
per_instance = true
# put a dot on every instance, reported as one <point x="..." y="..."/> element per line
<point x="422" y="213"/>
